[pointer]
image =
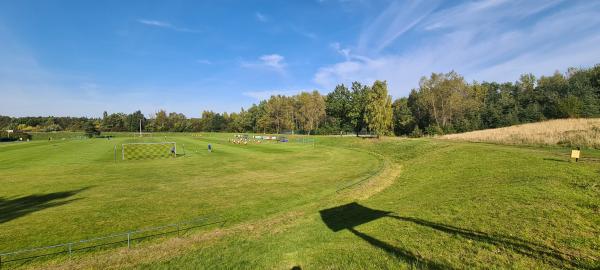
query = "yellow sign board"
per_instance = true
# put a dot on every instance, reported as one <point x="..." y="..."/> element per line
<point x="575" y="153"/>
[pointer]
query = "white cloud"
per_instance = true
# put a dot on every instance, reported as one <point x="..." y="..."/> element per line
<point x="480" y="50"/>
<point x="165" y="25"/>
<point x="261" y="17"/>
<point x="155" y="23"/>
<point x="274" y="62"/>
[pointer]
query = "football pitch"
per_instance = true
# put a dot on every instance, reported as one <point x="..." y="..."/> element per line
<point x="64" y="190"/>
<point x="339" y="203"/>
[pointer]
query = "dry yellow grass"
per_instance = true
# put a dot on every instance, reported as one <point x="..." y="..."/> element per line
<point x="567" y="132"/>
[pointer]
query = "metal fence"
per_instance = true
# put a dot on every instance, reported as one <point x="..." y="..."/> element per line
<point x="127" y="237"/>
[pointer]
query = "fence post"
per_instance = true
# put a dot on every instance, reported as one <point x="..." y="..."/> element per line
<point x="128" y="240"/>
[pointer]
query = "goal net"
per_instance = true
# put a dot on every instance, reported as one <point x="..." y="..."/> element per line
<point x="148" y="150"/>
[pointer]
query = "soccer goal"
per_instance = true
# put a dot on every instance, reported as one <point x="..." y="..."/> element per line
<point x="148" y="150"/>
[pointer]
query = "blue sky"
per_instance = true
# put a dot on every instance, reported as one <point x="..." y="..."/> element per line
<point x="80" y="58"/>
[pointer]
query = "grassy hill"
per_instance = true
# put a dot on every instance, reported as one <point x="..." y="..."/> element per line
<point x="428" y="203"/>
<point x="566" y="132"/>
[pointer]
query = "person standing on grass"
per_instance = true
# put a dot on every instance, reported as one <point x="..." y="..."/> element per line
<point x="173" y="150"/>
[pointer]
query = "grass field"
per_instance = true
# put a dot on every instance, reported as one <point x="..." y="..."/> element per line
<point x="425" y="203"/>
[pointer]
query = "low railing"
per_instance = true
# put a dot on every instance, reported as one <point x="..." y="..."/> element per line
<point x="107" y="240"/>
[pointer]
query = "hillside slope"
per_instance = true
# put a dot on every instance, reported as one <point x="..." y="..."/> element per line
<point x="567" y="132"/>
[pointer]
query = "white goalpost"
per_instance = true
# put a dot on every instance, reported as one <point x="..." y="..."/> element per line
<point x="148" y="150"/>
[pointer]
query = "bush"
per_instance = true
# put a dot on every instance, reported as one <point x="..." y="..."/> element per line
<point x="91" y="130"/>
<point x="434" y="130"/>
<point x="416" y="133"/>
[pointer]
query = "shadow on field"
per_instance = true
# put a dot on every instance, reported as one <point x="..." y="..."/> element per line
<point x="351" y="215"/>
<point x="12" y="208"/>
<point x="556" y="159"/>
<point x="530" y="249"/>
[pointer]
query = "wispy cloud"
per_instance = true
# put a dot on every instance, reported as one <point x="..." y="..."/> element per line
<point x="486" y="40"/>
<point x="397" y="19"/>
<point x="165" y="25"/>
<point x="155" y="23"/>
<point x="342" y="51"/>
<point x="261" y="17"/>
<point x="204" y="61"/>
<point x="274" y="62"/>
<point x="304" y="33"/>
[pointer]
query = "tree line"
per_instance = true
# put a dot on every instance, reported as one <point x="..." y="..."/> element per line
<point x="442" y="103"/>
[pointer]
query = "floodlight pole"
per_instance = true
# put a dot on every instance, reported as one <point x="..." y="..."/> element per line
<point x="140" y="127"/>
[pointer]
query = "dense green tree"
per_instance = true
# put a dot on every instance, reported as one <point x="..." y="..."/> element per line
<point x="5" y="122"/>
<point x="278" y="114"/>
<point x="378" y="109"/>
<point x="132" y="121"/>
<point x="358" y="107"/>
<point x="311" y="110"/>
<point x="404" y="122"/>
<point x="444" y="97"/>
<point x="339" y="106"/>
<point x="90" y="129"/>
<point x="161" y="121"/>
<point x="177" y="122"/>
<point x="207" y="121"/>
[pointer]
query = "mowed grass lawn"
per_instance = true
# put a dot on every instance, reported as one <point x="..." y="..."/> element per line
<point x="66" y="190"/>
<point x="438" y="205"/>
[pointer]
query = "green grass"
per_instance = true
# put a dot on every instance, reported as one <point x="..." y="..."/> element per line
<point x="60" y="191"/>
<point x="453" y="205"/>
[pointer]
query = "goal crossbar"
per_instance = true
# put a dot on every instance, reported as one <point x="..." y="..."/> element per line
<point x="150" y="143"/>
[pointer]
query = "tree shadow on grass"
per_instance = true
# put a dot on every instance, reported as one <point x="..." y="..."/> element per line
<point x="527" y="248"/>
<point x="12" y="208"/>
<point x="351" y="215"/>
<point x="556" y="159"/>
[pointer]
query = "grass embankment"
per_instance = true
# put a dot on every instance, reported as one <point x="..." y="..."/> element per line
<point x="446" y="205"/>
<point x="565" y="132"/>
